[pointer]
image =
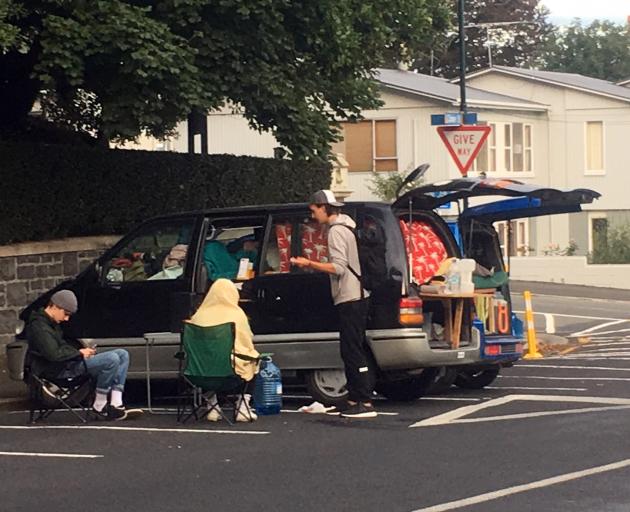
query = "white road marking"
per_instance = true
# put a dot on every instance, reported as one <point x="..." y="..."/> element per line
<point x="526" y="415"/>
<point x="457" y="414"/>
<point x="569" y="367"/>
<point x="537" y="484"/>
<point x="616" y="379"/>
<point x="452" y="398"/>
<point x="62" y="455"/>
<point x="523" y="388"/>
<point x="580" y="316"/>
<point x="550" y="323"/>
<point x="597" y="327"/>
<point x="133" y="429"/>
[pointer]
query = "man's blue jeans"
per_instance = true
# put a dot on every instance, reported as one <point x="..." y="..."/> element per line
<point x="109" y="368"/>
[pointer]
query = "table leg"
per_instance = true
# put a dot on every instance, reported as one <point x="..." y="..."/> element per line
<point x="457" y="323"/>
<point x="448" y="321"/>
<point x="148" y="374"/>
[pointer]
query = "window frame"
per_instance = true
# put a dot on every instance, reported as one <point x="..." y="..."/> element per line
<point x="498" y="153"/>
<point x="374" y="156"/>
<point x="595" y="172"/>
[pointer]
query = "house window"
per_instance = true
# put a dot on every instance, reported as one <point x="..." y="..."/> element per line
<point x="594" y="146"/>
<point x="517" y="243"/>
<point x="508" y="149"/>
<point x="371" y="145"/>
<point x="598" y="234"/>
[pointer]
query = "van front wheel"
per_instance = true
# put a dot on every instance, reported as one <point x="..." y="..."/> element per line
<point x="327" y="386"/>
<point x="407" y="390"/>
<point x="476" y="379"/>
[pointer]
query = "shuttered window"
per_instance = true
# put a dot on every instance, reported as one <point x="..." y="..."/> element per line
<point x="371" y="145"/>
<point x="594" y="146"/>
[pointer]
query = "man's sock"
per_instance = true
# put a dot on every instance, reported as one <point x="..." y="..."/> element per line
<point x="100" y="401"/>
<point x="117" y="398"/>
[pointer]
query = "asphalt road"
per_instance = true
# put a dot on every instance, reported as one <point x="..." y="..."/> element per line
<point x="548" y="435"/>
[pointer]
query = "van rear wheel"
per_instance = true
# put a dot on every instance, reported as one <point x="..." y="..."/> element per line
<point x="407" y="390"/>
<point x="327" y="386"/>
<point x="476" y="379"/>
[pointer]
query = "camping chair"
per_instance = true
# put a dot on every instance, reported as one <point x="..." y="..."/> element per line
<point x="206" y="367"/>
<point x="48" y="393"/>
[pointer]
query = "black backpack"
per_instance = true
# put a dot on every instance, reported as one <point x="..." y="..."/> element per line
<point x="371" y="249"/>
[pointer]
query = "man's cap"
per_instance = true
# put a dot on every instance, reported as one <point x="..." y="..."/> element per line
<point x="324" y="197"/>
<point x="65" y="299"/>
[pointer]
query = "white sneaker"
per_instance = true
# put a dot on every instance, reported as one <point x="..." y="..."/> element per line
<point x="245" y="416"/>
<point x="214" y="414"/>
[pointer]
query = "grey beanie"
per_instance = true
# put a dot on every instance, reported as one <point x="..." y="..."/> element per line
<point x="65" y="299"/>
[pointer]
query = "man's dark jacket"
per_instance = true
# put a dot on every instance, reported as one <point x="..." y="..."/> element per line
<point x="45" y="339"/>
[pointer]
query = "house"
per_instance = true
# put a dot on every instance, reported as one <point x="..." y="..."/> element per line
<point x="587" y="130"/>
<point x="554" y="129"/>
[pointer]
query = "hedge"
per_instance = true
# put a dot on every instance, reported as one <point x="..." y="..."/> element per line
<point x="55" y="191"/>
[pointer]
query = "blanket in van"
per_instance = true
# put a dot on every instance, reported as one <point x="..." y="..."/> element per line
<point x="426" y="248"/>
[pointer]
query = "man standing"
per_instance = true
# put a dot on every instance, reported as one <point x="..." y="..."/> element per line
<point x="350" y="299"/>
<point x="45" y="339"/>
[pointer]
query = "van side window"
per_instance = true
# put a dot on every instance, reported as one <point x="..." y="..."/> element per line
<point x="278" y="251"/>
<point x="425" y="247"/>
<point x="158" y="252"/>
<point x="314" y="241"/>
<point x="228" y="244"/>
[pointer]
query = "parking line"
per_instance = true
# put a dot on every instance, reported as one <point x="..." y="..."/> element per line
<point x="526" y="388"/>
<point x="62" y="455"/>
<point x="133" y="429"/>
<point x="538" y="484"/>
<point x="566" y="367"/>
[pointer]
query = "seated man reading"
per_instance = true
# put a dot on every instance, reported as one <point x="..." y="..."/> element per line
<point x="62" y="360"/>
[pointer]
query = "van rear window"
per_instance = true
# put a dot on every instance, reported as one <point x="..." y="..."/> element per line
<point x="426" y="248"/>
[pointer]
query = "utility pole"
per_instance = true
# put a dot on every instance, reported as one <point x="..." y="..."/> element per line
<point x="463" y="108"/>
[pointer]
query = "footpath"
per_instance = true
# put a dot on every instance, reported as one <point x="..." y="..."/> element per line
<point x="12" y="392"/>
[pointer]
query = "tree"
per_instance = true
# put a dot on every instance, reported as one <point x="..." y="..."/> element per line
<point x="599" y="50"/>
<point x="516" y="45"/>
<point x="115" y="68"/>
<point x="385" y="185"/>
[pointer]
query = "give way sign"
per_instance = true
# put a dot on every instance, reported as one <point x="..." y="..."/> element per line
<point x="463" y="143"/>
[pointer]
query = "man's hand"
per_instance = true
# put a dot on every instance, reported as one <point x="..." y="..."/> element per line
<point x="301" y="262"/>
<point x="87" y="352"/>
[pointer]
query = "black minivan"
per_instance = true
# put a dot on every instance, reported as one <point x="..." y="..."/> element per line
<point x="137" y="293"/>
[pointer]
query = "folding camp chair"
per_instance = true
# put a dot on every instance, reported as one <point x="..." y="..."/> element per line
<point x="48" y="393"/>
<point x="206" y="367"/>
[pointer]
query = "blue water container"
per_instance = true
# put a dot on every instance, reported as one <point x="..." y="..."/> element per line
<point x="517" y="326"/>
<point x="268" y="388"/>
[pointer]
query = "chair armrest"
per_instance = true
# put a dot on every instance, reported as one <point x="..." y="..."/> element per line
<point x="246" y="358"/>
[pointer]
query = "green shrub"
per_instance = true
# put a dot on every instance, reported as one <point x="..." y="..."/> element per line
<point x="55" y="191"/>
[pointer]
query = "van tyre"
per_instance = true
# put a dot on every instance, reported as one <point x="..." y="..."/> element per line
<point x="444" y="380"/>
<point x="407" y="390"/>
<point x="476" y="379"/>
<point x="327" y="386"/>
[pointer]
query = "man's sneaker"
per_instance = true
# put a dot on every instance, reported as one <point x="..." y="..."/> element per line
<point x="337" y="409"/>
<point x="359" y="411"/>
<point x="130" y="413"/>
<point x="110" y="413"/>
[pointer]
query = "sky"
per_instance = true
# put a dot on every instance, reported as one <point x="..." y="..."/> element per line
<point x="563" y="11"/>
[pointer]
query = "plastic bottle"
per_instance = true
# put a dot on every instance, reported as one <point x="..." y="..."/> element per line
<point x="452" y="279"/>
<point x="268" y="388"/>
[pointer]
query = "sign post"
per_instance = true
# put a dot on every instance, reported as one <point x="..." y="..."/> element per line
<point x="463" y="143"/>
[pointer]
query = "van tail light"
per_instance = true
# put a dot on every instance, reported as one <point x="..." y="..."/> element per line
<point x="411" y="311"/>
<point x="492" y="350"/>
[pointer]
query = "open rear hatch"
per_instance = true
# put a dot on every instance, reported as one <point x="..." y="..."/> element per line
<point x="532" y="200"/>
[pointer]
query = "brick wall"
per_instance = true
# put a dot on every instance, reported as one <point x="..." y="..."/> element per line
<point x="28" y="270"/>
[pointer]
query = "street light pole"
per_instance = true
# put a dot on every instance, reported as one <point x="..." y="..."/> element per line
<point x="462" y="57"/>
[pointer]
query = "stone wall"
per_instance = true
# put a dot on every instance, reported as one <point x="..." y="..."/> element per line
<point x="28" y="270"/>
